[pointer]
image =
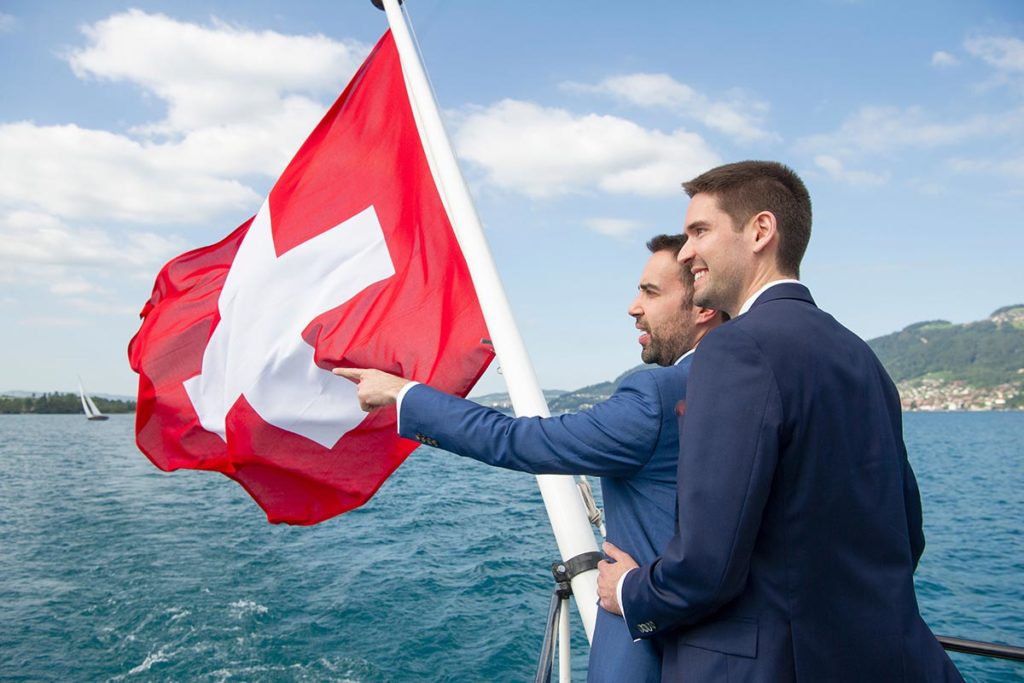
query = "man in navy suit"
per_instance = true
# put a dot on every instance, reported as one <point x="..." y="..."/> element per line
<point x="799" y="517"/>
<point x="631" y="440"/>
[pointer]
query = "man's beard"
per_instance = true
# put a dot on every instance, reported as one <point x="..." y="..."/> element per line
<point x="667" y="347"/>
<point x="654" y="354"/>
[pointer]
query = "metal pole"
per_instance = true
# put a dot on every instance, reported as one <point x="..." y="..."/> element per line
<point x="547" y="650"/>
<point x="977" y="647"/>
<point x="564" y="647"/>
<point x="562" y="499"/>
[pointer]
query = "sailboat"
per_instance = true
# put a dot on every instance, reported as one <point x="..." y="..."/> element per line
<point x="91" y="411"/>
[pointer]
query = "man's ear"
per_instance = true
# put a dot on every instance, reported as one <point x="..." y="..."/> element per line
<point x="766" y="230"/>
<point x="705" y="315"/>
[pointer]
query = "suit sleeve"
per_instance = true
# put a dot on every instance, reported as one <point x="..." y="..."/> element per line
<point x="911" y="493"/>
<point x="912" y="502"/>
<point x="614" y="438"/>
<point x="729" y="451"/>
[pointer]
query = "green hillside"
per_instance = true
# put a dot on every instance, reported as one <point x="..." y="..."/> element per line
<point x="986" y="353"/>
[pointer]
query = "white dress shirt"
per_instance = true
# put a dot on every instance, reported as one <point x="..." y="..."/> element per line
<point x="398" y="403"/>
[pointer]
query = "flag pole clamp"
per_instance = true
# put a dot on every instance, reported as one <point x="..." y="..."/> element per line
<point x="565" y="572"/>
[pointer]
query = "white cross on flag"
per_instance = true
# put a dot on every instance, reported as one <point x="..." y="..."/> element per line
<point x="352" y="262"/>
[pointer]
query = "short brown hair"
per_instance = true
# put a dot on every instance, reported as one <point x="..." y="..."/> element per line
<point x="673" y="243"/>
<point x="747" y="187"/>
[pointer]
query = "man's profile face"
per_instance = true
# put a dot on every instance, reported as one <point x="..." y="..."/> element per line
<point x="715" y="252"/>
<point x="658" y="309"/>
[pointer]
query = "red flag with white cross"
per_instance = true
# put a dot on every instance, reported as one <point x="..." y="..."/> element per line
<point x="351" y="261"/>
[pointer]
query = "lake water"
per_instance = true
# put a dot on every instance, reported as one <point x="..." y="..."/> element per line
<point x="113" y="570"/>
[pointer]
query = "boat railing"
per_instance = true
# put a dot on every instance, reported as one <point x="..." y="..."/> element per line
<point x="982" y="649"/>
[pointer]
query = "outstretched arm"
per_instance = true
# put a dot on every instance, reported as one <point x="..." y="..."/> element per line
<point x="614" y="438"/>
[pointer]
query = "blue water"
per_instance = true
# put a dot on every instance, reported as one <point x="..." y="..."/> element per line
<point x="113" y="570"/>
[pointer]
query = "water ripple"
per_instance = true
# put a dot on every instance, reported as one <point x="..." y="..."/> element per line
<point x="112" y="570"/>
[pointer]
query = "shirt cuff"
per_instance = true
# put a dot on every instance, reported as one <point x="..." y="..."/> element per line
<point x="398" y="404"/>
<point x="618" y="596"/>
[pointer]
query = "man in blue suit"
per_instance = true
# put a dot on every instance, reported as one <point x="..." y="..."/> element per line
<point x="631" y="440"/>
<point x="799" y="517"/>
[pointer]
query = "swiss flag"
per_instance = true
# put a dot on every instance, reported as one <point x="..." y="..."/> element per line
<point x="351" y="261"/>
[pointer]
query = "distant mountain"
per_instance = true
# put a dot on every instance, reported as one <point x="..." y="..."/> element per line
<point x="563" y="401"/>
<point x="501" y="401"/>
<point x="581" y="399"/>
<point x="974" y="366"/>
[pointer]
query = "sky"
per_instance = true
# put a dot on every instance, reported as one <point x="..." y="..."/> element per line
<point x="131" y="132"/>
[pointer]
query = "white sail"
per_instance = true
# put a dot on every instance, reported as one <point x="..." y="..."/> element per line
<point x="91" y="411"/>
<point x="85" y="405"/>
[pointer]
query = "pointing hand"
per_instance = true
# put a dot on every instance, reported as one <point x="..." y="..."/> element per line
<point x="376" y="389"/>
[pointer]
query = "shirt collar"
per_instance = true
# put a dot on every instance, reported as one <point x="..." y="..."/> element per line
<point x="685" y="355"/>
<point x="753" y="297"/>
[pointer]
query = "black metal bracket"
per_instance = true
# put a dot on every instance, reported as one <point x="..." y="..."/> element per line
<point x="583" y="562"/>
<point x="379" y="4"/>
<point x="564" y="572"/>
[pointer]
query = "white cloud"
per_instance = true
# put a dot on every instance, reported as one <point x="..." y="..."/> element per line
<point x="39" y="249"/>
<point x="645" y="90"/>
<point x="1012" y="169"/>
<point x="739" y="116"/>
<point x="836" y="170"/>
<point x="238" y="104"/>
<point x="214" y="75"/>
<point x="880" y="129"/>
<point x="1004" y="53"/>
<point x="613" y="227"/>
<point x="51" y="321"/>
<point x="892" y="134"/>
<point x="74" y="286"/>
<point x="943" y="59"/>
<point x="544" y="152"/>
<point x="7" y="23"/>
<point x="95" y="306"/>
<point x="40" y="239"/>
<point x="76" y="173"/>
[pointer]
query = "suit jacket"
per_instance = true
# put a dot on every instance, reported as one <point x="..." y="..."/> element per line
<point x="631" y="441"/>
<point x="799" y="517"/>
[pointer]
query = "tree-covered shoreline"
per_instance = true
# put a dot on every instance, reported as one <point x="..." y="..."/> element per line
<point x="57" y="403"/>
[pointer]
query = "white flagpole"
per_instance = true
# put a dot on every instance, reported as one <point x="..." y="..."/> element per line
<point x="562" y="498"/>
